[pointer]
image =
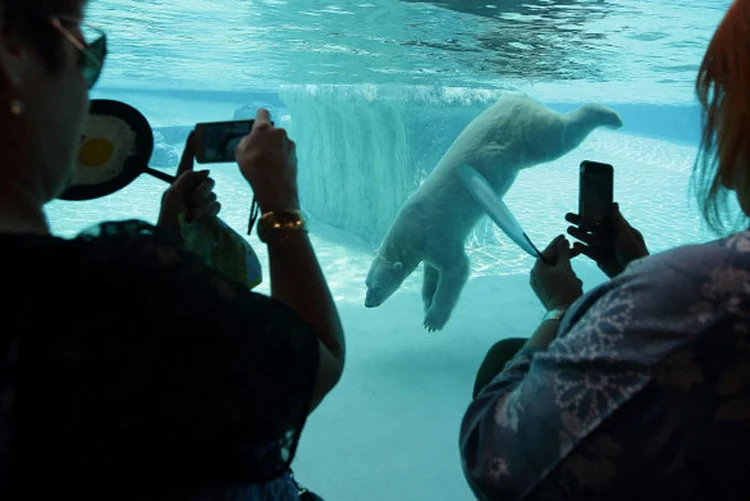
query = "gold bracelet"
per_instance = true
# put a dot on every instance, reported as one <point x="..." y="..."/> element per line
<point x="285" y="221"/>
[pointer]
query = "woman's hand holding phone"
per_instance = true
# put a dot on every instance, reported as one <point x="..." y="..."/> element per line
<point x="613" y="246"/>
<point x="192" y="193"/>
<point x="268" y="161"/>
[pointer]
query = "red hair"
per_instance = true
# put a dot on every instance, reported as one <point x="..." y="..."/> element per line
<point x="723" y="90"/>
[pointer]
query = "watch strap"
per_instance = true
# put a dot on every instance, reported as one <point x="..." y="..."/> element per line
<point x="280" y="222"/>
<point x="555" y="315"/>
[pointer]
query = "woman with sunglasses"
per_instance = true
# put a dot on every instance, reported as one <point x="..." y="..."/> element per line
<point x="128" y="370"/>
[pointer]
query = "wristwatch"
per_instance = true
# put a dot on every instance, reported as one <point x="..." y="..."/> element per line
<point x="555" y="315"/>
<point x="280" y="222"/>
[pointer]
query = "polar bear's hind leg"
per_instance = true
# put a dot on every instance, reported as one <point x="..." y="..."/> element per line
<point x="429" y="284"/>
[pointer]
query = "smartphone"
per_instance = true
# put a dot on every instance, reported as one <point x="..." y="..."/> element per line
<point x="596" y="193"/>
<point x="215" y="142"/>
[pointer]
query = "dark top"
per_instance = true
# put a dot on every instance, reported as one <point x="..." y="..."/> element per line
<point x="141" y="369"/>
<point x="644" y="395"/>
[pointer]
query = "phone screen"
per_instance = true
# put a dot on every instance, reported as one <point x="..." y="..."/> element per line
<point x="596" y="192"/>
<point x="217" y="141"/>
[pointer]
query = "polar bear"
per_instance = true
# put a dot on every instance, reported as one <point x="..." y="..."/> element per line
<point x="515" y="133"/>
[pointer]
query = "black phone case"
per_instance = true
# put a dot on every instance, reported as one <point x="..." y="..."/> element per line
<point x="596" y="187"/>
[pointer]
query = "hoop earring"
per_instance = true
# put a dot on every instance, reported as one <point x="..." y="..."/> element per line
<point x="17" y="107"/>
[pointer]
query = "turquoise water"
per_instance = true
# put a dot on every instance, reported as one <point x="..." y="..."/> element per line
<point x="374" y="92"/>
<point x="644" y="50"/>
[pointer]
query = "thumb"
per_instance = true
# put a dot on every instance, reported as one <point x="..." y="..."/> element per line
<point x="615" y="212"/>
<point x="563" y="253"/>
<point x="618" y="222"/>
<point x="262" y="116"/>
<point x="617" y="215"/>
<point x="187" y="161"/>
<point x="187" y="182"/>
<point x="550" y="252"/>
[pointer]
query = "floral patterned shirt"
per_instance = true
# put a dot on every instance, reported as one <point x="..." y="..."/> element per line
<point x="645" y="394"/>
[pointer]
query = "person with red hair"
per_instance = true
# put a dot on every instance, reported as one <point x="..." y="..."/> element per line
<point x="639" y="389"/>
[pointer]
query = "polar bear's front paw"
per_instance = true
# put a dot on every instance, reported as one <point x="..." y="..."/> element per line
<point x="435" y="319"/>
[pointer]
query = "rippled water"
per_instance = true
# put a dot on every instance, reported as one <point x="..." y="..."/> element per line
<point x="625" y="48"/>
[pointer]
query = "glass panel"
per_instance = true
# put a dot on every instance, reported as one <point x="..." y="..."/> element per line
<point x="375" y="93"/>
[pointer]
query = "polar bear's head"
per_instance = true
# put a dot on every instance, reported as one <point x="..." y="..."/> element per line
<point x="383" y="279"/>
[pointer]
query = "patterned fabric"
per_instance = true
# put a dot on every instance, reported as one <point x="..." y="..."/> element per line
<point x="143" y="374"/>
<point x="645" y="394"/>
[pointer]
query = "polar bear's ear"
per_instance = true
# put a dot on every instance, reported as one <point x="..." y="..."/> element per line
<point x="398" y="266"/>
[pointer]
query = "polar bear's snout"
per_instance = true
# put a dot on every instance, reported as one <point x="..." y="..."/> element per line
<point x="383" y="279"/>
<point x="373" y="298"/>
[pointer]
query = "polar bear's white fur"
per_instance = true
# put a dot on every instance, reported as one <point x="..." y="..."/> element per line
<point x="515" y="133"/>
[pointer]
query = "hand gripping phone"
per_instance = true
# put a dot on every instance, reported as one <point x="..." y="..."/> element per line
<point x="215" y="142"/>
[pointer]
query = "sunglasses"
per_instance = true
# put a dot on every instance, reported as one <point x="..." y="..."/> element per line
<point x="91" y="51"/>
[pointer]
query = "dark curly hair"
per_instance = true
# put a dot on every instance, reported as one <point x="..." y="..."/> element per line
<point x="27" y="17"/>
<point x="723" y="90"/>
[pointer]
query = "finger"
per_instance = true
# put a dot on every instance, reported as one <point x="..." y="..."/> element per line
<point x="262" y="116"/>
<point x="186" y="183"/>
<point x="633" y="229"/>
<point x="202" y="192"/>
<point x="187" y="160"/>
<point x="563" y="253"/>
<point x="563" y="247"/>
<point x="580" y="249"/>
<point x="200" y="205"/>
<point x="573" y="218"/>
<point x="617" y="217"/>
<point x="583" y="236"/>
<point x="549" y="253"/>
<point x="551" y="246"/>
<point x="190" y="180"/>
<point x="205" y="212"/>
<point x="210" y="211"/>
<point x="535" y="271"/>
<point x="215" y="209"/>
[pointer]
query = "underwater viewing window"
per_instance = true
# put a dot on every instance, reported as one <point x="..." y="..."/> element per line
<point x="376" y="95"/>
